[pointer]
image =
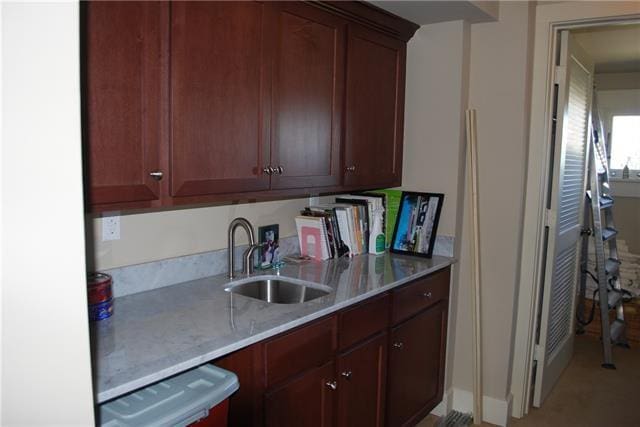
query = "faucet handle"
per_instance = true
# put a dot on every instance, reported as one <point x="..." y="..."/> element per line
<point x="248" y="258"/>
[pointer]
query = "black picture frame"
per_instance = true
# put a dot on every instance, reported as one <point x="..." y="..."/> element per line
<point x="268" y="238"/>
<point x="417" y="223"/>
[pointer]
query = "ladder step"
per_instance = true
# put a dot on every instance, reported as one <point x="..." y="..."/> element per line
<point x="614" y="298"/>
<point x="606" y="202"/>
<point x="617" y="329"/>
<point x="612" y="266"/>
<point x="608" y="233"/>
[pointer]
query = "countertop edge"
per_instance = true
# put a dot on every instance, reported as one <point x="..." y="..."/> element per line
<point x="130" y="386"/>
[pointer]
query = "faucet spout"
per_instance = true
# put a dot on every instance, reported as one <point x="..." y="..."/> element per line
<point x="247" y="264"/>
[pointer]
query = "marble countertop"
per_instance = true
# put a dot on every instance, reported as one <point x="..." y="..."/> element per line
<point x="155" y="334"/>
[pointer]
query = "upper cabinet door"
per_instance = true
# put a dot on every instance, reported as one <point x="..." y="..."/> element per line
<point x="374" y="109"/>
<point x="308" y="87"/>
<point x="122" y="105"/>
<point x="220" y="81"/>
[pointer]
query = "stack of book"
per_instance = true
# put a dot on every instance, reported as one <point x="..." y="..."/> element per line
<point x="353" y="225"/>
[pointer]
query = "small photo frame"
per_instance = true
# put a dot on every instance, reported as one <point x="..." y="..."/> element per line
<point x="269" y="248"/>
<point x="417" y="223"/>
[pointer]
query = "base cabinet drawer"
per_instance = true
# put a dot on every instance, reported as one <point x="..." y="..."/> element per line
<point x="302" y="349"/>
<point x="416" y="296"/>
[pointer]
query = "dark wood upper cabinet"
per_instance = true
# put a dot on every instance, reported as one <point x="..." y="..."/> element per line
<point x="191" y="102"/>
<point x="308" y="88"/>
<point x="220" y="90"/>
<point x="416" y="366"/>
<point x="374" y="108"/>
<point x="122" y="105"/>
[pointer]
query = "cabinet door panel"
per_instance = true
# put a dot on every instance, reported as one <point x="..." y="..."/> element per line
<point x="304" y="401"/>
<point x="122" y="100"/>
<point x="416" y="365"/>
<point x="307" y="96"/>
<point x="362" y="378"/>
<point x="219" y="98"/>
<point x="374" y="109"/>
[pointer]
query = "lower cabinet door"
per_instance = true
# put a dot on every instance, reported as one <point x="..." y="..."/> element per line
<point x="416" y="366"/>
<point x="307" y="400"/>
<point x="362" y="374"/>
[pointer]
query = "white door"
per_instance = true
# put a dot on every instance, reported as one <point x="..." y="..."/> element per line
<point x="574" y="79"/>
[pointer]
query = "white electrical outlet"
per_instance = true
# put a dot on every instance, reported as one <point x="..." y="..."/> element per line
<point x="314" y="200"/>
<point x="111" y="227"/>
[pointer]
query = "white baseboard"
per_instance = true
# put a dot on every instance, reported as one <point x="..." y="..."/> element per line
<point x="494" y="411"/>
<point x="444" y="407"/>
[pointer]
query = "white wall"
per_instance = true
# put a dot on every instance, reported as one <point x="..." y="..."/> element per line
<point x="45" y="340"/>
<point x="450" y="67"/>
<point x="434" y="156"/>
<point x="499" y="90"/>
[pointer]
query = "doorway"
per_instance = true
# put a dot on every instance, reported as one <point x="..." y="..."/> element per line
<point x="552" y="20"/>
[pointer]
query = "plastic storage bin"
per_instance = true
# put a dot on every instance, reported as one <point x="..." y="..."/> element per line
<point x="196" y="396"/>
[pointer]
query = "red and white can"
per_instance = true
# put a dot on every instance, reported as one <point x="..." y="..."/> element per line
<point x="98" y="288"/>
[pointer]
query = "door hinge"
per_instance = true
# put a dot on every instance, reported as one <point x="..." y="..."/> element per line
<point x="538" y="352"/>
<point x="559" y="74"/>
<point x="549" y="218"/>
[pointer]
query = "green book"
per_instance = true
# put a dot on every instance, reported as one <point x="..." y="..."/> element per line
<point x="391" y="208"/>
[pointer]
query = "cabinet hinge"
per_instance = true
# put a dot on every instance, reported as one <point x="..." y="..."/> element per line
<point x="559" y="74"/>
<point x="549" y="218"/>
<point x="538" y="352"/>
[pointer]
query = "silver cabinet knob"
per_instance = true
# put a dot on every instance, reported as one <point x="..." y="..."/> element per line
<point x="268" y="170"/>
<point x="332" y="385"/>
<point x="351" y="168"/>
<point x="347" y="374"/>
<point x="280" y="170"/>
<point x="427" y="295"/>
<point x="157" y="175"/>
<point x="398" y="345"/>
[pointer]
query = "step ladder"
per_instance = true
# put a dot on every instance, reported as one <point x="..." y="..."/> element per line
<point x="599" y="206"/>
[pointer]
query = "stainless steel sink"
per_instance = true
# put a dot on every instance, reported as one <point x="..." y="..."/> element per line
<point x="278" y="290"/>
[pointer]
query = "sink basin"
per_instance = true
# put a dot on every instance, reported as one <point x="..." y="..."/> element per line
<point x="278" y="290"/>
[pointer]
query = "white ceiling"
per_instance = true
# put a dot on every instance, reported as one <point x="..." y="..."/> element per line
<point x="429" y="12"/>
<point x="614" y="48"/>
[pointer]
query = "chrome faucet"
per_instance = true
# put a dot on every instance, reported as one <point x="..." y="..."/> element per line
<point x="247" y="266"/>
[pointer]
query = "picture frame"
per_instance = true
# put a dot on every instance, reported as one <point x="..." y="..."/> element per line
<point x="417" y="223"/>
<point x="268" y="238"/>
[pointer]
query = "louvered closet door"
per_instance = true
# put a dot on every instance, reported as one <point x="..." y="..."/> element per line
<point x="555" y="346"/>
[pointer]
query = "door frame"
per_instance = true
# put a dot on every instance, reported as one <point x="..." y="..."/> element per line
<point x="550" y="19"/>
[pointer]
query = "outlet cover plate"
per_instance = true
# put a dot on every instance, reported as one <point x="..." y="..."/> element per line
<point x="111" y="226"/>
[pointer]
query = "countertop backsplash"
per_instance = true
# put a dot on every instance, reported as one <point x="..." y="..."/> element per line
<point x="137" y="278"/>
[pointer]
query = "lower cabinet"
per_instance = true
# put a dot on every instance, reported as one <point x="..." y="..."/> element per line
<point x="377" y="363"/>
<point x="416" y="367"/>
<point x="306" y="400"/>
<point x="361" y="384"/>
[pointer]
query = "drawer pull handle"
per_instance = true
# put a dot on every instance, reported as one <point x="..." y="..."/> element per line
<point x="347" y="374"/>
<point x="267" y="170"/>
<point x="398" y="345"/>
<point x="427" y="295"/>
<point x="156" y="175"/>
<point x="351" y="168"/>
<point x="332" y="385"/>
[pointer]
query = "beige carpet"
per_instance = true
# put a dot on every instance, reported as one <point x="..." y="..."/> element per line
<point x="589" y="395"/>
<point x="586" y="394"/>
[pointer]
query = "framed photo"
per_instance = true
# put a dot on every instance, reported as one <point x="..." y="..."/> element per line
<point x="269" y="248"/>
<point x="417" y="223"/>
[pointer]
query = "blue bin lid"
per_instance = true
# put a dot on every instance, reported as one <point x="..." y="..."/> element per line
<point x="176" y="401"/>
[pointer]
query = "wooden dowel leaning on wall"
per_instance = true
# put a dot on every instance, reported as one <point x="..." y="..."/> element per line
<point x="472" y="190"/>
